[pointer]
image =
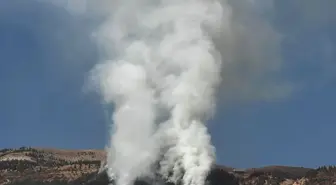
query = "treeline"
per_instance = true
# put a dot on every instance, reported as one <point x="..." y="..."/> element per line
<point x="323" y="175"/>
<point x="78" y="165"/>
<point x="21" y="149"/>
<point x="17" y="165"/>
<point x="328" y="169"/>
<point x="32" y="182"/>
<point x="322" y="171"/>
<point x="22" y="165"/>
<point x="40" y="160"/>
<point x="45" y="159"/>
<point x="83" y="180"/>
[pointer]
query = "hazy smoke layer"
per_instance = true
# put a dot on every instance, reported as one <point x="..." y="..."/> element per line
<point x="163" y="57"/>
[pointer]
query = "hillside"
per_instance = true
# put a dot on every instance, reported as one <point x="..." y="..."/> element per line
<point x="42" y="166"/>
<point x="47" y="165"/>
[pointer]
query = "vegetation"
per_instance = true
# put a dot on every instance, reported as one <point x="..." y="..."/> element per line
<point x="29" y="166"/>
<point x="33" y="182"/>
<point x="45" y="168"/>
<point x="17" y="165"/>
<point x="42" y="160"/>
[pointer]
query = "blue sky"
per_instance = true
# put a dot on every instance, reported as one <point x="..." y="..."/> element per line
<point x="42" y="77"/>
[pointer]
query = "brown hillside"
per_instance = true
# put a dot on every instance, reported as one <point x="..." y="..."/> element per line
<point x="42" y="166"/>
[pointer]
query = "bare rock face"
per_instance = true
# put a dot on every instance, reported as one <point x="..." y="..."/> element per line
<point x="40" y="166"/>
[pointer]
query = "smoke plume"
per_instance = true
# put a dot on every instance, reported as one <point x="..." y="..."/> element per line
<point x="163" y="63"/>
<point x="162" y="70"/>
<point x="161" y="60"/>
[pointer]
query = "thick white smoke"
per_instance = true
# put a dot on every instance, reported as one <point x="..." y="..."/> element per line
<point x="163" y="63"/>
<point x="161" y="60"/>
<point x="161" y="71"/>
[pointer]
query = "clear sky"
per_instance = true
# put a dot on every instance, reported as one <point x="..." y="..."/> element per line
<point x="46" y="53"/>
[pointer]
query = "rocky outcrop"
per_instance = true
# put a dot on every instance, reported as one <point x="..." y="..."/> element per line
<point x="38" y="166"/>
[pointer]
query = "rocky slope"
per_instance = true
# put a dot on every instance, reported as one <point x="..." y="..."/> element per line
<point x="40" y="166"/>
